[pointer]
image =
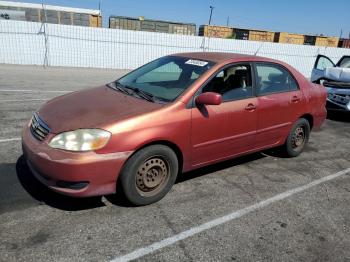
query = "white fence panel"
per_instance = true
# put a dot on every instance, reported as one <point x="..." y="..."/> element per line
<point x="30" y="43"/>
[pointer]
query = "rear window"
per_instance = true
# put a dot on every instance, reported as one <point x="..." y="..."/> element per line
<point x="274" y="79"/>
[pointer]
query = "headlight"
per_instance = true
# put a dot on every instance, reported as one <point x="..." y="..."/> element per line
<point x="81" y="140"/>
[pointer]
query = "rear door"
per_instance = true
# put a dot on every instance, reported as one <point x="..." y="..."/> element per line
<point x="321" y="63"/>
<point x="279" y="103"/>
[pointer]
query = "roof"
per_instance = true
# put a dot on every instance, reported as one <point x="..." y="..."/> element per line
<point x="218" y="57"/>
<point x="51" y="7"/>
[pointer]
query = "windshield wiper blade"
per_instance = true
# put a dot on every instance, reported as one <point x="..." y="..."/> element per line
<point x="118" y="86"/>
<point x="140" y="93"/>
<point x="145" y="95"/>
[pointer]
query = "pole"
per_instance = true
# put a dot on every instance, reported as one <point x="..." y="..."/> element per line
<point x="211" y="13"/>
<point x="227" y="21"/>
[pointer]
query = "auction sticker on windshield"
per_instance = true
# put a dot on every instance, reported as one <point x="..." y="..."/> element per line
<point x="196" y="62"/>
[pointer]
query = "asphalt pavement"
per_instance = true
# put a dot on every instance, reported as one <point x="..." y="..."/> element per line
<point x="276" y="209"/>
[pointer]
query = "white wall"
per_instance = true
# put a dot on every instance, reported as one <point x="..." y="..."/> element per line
<point x="30" y="43"/>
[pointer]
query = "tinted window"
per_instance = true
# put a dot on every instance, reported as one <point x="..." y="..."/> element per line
<point x="274" y="79"/>
<point x="233" y="83"/>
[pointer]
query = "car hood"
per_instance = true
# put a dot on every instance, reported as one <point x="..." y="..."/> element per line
<point x="337" y="74"/>
<point x="92" y="108"/>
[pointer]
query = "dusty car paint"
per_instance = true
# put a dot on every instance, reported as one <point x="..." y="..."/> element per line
<point x="199" y="136"/>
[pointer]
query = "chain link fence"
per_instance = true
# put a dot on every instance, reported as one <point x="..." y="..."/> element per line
<point x="30" y="43"/>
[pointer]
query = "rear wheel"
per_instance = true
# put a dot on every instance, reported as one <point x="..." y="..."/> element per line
<point x="149" y="174"/>
<point x="297" y="138"/>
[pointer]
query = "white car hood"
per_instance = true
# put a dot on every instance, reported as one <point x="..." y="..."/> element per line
<point x="337" y="74"/>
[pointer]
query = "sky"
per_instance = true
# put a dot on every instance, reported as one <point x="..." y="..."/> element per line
<point x="294" y="16"/>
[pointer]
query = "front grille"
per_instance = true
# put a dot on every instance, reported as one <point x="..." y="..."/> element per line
<point x="339" y="98"/>
<point x="39" y="128"/>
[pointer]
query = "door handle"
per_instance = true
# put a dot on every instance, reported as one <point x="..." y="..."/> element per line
<point x="250" y="107"/>
<point x="295" y="99"/>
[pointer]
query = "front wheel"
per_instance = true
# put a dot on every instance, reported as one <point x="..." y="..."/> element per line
<point x="149" y="174"/>
<point x="297" y="138"/>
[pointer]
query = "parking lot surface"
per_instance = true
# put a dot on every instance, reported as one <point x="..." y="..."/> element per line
<point x="312" y="224"/>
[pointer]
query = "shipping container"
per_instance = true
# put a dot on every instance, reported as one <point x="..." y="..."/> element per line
<point x="344" y="43"/>
<point x="287" y="38"/>
<point x="262" y="36"/>
<point x="54" y="14"/>
<point x="6" y="14"/>
<point x="242" y="34"/>
<point x="141" y="24"/>
<point x="32" y="15"/>
<point x="184" y="29"/>
<point x="215" y="31"/>
<point x="309" y="40"/>
<point x="95" y="21"/>
<point x="327" y="41"/>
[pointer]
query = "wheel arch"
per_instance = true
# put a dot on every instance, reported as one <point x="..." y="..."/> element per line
<point x="309" y="118"/>
<point x="167" y="143"/>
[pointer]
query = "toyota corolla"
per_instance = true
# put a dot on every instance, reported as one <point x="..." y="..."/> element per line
<point x="177" y="113"/>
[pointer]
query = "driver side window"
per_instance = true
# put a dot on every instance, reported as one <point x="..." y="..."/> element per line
<point x="233" y="83"/>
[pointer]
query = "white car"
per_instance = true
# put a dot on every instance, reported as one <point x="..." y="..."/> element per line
<point x="336" y="79"/>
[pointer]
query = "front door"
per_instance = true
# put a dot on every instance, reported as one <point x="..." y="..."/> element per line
<point x="321" y="63"/>
<point x="225" y="130"/>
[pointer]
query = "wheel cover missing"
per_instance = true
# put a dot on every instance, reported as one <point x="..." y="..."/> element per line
<point x="298" y="138"/>
<point x="152" y="176"/>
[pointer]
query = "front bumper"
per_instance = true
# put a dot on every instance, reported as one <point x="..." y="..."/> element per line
<point x="331" y="106"/>
<point x="79" y="174"/>
<point x="338" y="99"/>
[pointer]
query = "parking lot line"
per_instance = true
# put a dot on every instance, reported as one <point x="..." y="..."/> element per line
<point x="224" y="219"/>
<point x="10" y="139"/>
<point x="35" y="91"/>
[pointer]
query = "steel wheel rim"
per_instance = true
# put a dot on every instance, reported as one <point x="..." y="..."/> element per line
<point x="298" y="138"/>
<point x="152" y="176"/>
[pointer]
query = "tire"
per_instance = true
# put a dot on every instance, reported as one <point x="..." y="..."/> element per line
<point x="297" y="138"/>
<point x="149" y="174"/>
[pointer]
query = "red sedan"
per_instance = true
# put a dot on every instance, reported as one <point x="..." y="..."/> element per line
<point x="172" y="115"/>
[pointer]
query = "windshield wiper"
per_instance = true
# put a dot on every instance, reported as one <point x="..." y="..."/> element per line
<point x="118" y="86"/>
<point x="144" y="94"/>
<point x="140" y="93"/>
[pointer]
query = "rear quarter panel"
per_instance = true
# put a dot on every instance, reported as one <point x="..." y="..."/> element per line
<point x="317" y="105"/>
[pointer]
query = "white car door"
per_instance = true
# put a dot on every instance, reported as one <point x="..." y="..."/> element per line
<point x="322" y="62"/>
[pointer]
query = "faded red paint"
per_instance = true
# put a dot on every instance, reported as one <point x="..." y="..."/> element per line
<point x="203" y="135"/>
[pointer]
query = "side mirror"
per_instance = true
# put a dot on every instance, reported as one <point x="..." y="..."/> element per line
<point x="209" y="98"/>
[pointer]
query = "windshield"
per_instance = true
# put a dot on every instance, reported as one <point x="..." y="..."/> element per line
<point x="345" y="62"/>
<point x="167" y="77"/>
